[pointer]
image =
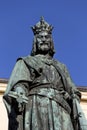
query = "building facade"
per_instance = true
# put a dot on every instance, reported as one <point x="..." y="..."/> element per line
<point x="3" y="113"/>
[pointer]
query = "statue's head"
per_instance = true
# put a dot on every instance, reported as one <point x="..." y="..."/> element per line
<point x="43" y="42"/>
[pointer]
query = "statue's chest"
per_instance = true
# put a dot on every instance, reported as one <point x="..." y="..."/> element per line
<point x="50" y="73"/>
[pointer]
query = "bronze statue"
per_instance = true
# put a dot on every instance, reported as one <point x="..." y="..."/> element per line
<point x="40" y="94"/>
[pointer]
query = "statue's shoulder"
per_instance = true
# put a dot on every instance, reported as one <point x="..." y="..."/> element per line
<point x="27" y="58"/>
<point x="62" y="67"/>
<point x="31" y="62"/>
<point x="59" y="63"/>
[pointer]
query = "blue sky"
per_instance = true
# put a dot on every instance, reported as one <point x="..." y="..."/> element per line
<point x="69" y="18"/>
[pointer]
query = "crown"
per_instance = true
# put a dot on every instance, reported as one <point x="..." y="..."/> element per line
<point x="42" y="25"/>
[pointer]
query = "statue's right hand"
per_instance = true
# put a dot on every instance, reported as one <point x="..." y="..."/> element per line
<point x="19" y="90"/>
<point x="21" y="95"/>
<point x="21" y="98"/>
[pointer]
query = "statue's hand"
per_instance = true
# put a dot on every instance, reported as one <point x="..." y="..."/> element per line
<point x="19" y="90"/>
<point x="21" y="98"/>
<point x="74" y="96"/>
<point x="66" y="95"/>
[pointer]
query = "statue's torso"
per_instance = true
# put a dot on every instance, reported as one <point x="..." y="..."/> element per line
<point x="49" y="74"/>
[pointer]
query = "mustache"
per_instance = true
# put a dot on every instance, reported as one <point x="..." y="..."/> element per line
<point x="44" y="43"/>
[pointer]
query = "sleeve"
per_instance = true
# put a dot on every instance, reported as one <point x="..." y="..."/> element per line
<point x="20" y="74"/>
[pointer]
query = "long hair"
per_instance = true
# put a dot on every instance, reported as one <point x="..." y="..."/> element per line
<point x="35" y="50"/>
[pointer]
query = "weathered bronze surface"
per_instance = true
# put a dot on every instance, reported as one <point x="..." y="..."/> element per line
<point x="40" y="94"/>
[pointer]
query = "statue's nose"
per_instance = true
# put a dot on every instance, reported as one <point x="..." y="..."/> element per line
<point x="43" y="39"/>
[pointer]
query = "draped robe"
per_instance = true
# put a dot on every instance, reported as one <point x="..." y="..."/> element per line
<point x="46" y="82"/>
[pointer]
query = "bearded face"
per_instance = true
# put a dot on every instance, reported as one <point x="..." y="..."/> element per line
<point x="43" y="40"/>
<point x="43" y="44"/>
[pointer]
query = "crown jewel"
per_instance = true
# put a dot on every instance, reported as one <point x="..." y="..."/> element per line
<point x="42" y="25"/>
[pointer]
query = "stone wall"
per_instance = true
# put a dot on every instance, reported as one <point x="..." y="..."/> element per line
<point x="3" y="113"/>
<point x="83" y="102"/>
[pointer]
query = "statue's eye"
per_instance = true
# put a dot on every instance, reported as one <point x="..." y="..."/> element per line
<point x="47" y="36"/>
<point x="41" y="36"/>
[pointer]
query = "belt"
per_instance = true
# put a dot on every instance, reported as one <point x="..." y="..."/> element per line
<point x="46" y="85"/>
<point x="53" y="95"/>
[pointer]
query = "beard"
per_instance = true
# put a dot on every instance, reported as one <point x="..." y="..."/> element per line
<point x="37" y="50"/>
<point x="43" y="48"/>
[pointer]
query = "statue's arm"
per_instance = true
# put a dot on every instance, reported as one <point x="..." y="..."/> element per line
<point x="19" y="83"/>
<point x="20" y="95"/>
<point x="71" y="85"/>
<point x="77" y="115"/>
